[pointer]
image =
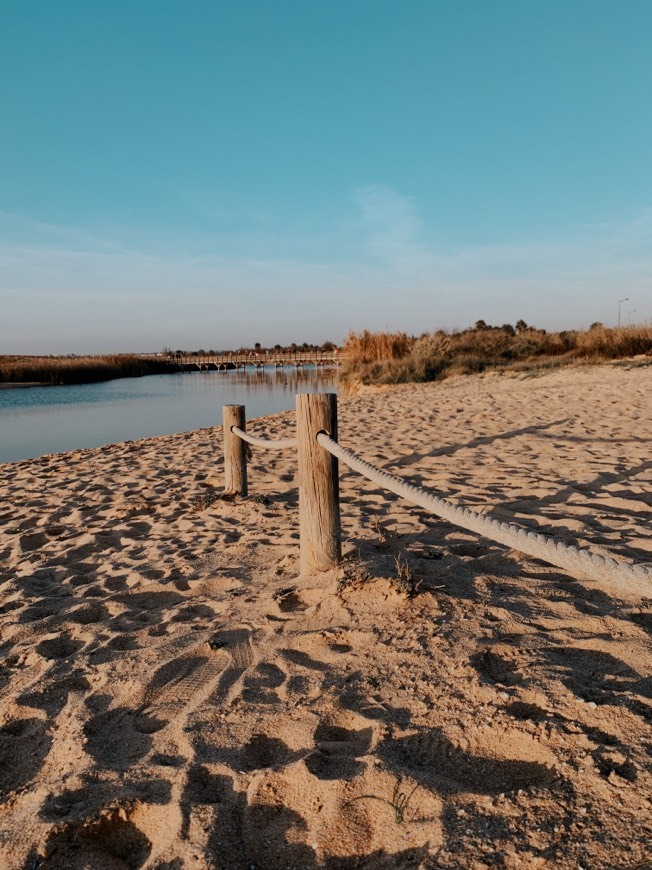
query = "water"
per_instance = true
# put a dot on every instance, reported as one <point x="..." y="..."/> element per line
<point x="39" y="420"/>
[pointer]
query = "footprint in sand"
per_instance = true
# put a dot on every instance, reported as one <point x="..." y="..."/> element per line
<point x="211" y="804"/>
<point x="11" y="605"/>
<point x="124" y="835"/>
<point x="119" y="737"/>
<point x="526" y="712"/>
<point x="182" y="684"/>
<point x="60" y="647"/>
<point x="338" y="748"/>
<point x="32" y="541"/>
<point x="24" y="745"/>
<point x="123" y="643"/>
<point x="192" y="612"/>
<point x="505" y="762"/>
<point x="289" y="601"/>
<point x="237" y="642"/>
<point x="53" y="697"/>
<point x="595" y="675"/>
<point x="263" y="751"/>
<point x="293" y="819"/>
<point x="44" y="610"/>
<point x="111" y="841"/>
<point x="205" y="787"/>
<point x="89" y="614"/>
<point x="500" y="663"/>
<point x="259" y="686"/>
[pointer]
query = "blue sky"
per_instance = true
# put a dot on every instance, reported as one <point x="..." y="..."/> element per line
<point x="212" y="174"/>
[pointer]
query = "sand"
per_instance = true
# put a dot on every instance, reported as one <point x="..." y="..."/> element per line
<point x="173" y="695"/>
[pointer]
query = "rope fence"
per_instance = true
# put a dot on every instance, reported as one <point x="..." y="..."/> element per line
<point x="320" y="544"/>
<point x="265" y="443"/>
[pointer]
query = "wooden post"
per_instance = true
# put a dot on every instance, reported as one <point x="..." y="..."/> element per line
<point x="319" y="503"/>
<point x="235" y="450"/>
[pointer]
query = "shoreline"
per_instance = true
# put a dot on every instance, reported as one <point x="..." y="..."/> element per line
<point x="168" y="677"/>
<point x="13" y="385"/>
<point x="56" y="421"/>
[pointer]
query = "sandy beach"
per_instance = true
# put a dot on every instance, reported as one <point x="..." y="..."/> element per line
<point x="174" y="695"/>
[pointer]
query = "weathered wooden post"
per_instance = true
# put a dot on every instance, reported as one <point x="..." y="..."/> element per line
<point x="319" y="503"/>
<point x="235" y="450"/>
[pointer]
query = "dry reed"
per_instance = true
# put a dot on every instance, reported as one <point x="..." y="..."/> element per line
<point x="78" y="370"/>
<point x="397" y="358"/>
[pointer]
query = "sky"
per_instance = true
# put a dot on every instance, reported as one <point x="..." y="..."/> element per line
<point x="215" y="173"/>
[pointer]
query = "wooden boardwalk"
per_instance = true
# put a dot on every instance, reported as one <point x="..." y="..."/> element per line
<point x="223" y="362"/>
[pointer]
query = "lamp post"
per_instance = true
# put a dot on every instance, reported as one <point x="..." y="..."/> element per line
<point x="620" y="302"/>
<point x="629" y="316"/>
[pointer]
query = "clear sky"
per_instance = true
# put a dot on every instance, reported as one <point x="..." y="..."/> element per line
<point x="212" y="173"/>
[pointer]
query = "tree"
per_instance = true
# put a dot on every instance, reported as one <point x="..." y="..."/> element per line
<point x="521" y="326"/>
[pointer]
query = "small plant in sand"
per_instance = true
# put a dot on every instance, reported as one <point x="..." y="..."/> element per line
<point x="405" y="581"/>
<point x="352" y="575"/>
<point x="386" y="536"/>
<point x="398" y="803"/>
<point x="257" y="498"/>
<point x="208" y="498"/>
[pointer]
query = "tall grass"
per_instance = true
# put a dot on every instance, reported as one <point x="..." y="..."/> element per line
<point x="368" y="347"/>
<point x="78" y="370"/>
<point x="396" y="358"/>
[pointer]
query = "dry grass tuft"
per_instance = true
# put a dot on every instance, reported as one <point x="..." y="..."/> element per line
<point x="375" y="347"/>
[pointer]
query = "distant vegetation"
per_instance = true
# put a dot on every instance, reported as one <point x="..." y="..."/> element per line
<point x="90" y="369"/>
<point x="79" y="369"/>
<point x="376" y="357"/>
<point x="258" y="348"/>
<point x="391" y="358"/>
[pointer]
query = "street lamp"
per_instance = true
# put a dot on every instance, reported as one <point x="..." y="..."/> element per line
<point x="629" y="313"/>
<point x="620" y="302"/>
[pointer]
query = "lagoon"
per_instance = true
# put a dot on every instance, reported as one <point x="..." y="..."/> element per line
<point x="39" y="420"/>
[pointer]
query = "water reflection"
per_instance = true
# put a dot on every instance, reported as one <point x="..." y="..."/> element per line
<point x="39" y="420"/>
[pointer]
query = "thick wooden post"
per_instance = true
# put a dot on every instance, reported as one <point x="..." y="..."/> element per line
<point x="319" y="503"/>
<point x="235" y="450"/>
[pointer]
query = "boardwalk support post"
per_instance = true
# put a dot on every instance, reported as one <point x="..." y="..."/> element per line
<point x="319" y="506"/>
<point x="235" y="450"/>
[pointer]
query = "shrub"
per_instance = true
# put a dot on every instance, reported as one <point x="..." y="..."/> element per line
<point x="396" y="358"/>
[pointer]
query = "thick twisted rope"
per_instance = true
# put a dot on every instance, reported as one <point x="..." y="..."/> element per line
<point x="627" y="580"/>
<point x="268" y="443"/>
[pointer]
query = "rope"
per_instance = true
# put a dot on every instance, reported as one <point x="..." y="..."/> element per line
<point x="627" y="579"/>
<point x="270" y="444"/>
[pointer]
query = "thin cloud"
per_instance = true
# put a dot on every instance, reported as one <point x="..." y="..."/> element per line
<point x="64" y="290"/>
<point x="392" y="227"/>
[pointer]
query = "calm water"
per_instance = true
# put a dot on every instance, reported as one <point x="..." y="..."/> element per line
<point x="38" y="420"/>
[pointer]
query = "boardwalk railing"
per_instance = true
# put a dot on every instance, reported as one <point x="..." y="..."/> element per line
<point x="265" y="359"/>
<point x="319" y="515"/>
